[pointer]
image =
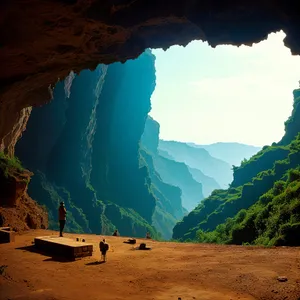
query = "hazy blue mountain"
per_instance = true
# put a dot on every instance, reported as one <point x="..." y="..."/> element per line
<point x="199" y="158"/>
<point x="233" y="153"/>
<point x="171" y="173"/>
<point x="208" y="183"/>
<point x="165" y="154"/>
<point x="168" y="210"/>
<point x="177" y="174"/>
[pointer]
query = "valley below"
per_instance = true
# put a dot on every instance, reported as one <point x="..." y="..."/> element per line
<point x="168" y="271"/>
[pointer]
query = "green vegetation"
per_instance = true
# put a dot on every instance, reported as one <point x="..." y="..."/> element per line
<point x="51" y="196"/>
<point x="272" y="221"/>
<point x="129" y="222"/>
<point x="261" y="206"/>
<point x="10" y="164"/>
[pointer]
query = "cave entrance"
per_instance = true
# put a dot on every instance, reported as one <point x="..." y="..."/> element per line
<point x="202" y="93"/>
<point x="218" y="106"/>
<point x="90" y="147"/>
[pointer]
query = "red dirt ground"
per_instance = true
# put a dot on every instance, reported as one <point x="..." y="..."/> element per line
<point x="168" y="271"/>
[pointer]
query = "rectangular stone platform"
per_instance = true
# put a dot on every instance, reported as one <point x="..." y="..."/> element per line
<point x="63" y="247"/>
<point x="6" y="235"/>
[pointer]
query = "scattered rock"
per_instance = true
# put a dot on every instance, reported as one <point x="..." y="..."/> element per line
<point x="2" y="269"/>
<point x="282" y="278"/>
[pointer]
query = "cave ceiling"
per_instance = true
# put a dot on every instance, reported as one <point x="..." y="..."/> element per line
<point x="41" y="41"/>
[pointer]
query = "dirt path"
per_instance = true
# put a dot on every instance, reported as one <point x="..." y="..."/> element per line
<point x="168" y="271"/>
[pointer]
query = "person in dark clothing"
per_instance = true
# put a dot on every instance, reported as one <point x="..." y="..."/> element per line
<point x="103" y="249"/>
<point x="62" y="212"/>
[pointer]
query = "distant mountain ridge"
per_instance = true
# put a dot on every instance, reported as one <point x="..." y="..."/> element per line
<point x="177" y="174"/>
<point x="199" y="158"/>
<point x="232" y="153"/>
<point x="209" y="184"/>
<point x="171" y="172"/>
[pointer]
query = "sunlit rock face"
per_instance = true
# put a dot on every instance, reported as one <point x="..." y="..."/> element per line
<point x="42" y="41"/>
<point x="17" y="209"/>
<point x="84" y="149"/>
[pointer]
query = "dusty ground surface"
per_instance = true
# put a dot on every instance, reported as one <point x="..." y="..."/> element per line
<point x="168" y="271"/>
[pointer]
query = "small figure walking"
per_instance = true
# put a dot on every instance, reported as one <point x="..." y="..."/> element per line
<point x="148" y="236"/>
<point x="103" y="249"/>
<point x="62" y="212"/>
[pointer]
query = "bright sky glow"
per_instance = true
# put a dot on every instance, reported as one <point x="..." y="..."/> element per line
<point x="226" y="94"/>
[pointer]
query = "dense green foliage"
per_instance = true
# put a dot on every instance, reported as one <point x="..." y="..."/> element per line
<point x="262" y="204"/>
<point x="9" y="165"/>
<point x="273" y="220"/>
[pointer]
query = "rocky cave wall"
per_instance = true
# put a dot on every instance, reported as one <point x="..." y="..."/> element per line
<point x="41" y="41"/>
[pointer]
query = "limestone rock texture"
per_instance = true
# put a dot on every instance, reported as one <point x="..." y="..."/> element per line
<point x="42" y="41"/>
<point x="17" y="209"/>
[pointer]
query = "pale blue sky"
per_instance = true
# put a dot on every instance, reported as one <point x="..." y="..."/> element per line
<point x="225" y="94"/>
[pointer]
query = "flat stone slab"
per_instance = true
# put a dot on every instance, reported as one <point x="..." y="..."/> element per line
<point x="63" y="247"/>
<point x="6" y="235"/>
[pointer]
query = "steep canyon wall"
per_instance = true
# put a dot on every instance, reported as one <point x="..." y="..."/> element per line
<point x="85" y="149"/>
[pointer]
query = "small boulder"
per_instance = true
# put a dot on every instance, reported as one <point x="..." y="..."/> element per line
<point x="142" y="246"/>
<point x="282" y="278"/>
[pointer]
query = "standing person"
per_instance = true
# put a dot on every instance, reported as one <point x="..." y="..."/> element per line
<point x="103" y="249"/>
<point x="62" y="212"/>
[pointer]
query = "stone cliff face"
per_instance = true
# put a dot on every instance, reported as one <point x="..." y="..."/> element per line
<point x="85" y="149"/>
<point x="41" y="41"/>
<point x="17" y="209"/>
<point x="168" y="209"/>
<point x="292" y="125"/>
<point x="123" y="109"/>
<point x="171" y="171"/>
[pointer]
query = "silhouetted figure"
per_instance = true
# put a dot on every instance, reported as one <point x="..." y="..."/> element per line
<point x="62" y="212"/>
<point x="103" y="249"/>
<point x="148" y="235"/>
<point x="116" y="233"/>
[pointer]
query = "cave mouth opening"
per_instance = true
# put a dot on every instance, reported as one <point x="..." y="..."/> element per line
<point x="87" y="140"/>
<point x="228" y="94"/>
<point x="202" y="93"/>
